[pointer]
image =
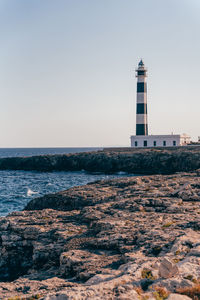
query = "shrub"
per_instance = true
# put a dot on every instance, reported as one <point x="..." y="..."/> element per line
<point x="160" y="293"/>
<point x="176" y="260"/>
<point x="33" y="297"/>
<point x="192" y="292"/>
<point x="146" y="273"/>
<point x="177" y="252"/>
<point x="166" y="225"/>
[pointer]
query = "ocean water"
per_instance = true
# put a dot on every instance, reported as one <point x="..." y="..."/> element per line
<point x="17" y="188"/>
<point x="13" y="152"/>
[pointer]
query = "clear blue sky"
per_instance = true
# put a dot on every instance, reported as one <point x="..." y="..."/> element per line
<point x="67" y="70"/>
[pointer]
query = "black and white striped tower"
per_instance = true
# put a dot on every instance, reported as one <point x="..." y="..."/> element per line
<point x="141" y="111"/>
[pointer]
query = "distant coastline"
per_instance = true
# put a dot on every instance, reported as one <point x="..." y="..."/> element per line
<point x="112" y="160"/>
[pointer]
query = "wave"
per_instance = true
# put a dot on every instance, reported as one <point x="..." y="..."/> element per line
<point x="30" y="192"/>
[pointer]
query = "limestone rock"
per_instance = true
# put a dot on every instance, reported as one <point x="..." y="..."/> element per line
<point x="189" y="267"/>
<point x="167" y="269"/>
<point x="178" y="297"/>
<point x="116" y="289"/>
<point x="84" y="264"/>
<point x="99" y="278"/>
<point x="111" y="237"/>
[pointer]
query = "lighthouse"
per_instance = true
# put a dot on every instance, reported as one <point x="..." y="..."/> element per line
<point x="141" y="109"/>
<point x="142" y="138"/>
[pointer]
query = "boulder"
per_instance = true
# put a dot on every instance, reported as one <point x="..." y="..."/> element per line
<point x="167" y="269"/>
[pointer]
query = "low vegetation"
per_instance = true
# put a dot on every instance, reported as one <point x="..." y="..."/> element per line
<point x="147" y="274"/>
<point x="192" y="292"/>
<point x="160" y="293"/>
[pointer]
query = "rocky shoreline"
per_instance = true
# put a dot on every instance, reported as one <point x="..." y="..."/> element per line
<point x="128" y="238"/>
<point x="131" y="160"/>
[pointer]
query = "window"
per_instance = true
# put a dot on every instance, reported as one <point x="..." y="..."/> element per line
<point x="145" y="143"/>
<point x="164" y="143"/>
<point x="174" y="143"/>
<point x="154" y="143"/>
<point x="136" y="143"/>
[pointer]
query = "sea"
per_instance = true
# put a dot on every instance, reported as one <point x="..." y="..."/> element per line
<point x="17" y="188"/>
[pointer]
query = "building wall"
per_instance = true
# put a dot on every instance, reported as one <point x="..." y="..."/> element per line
<point x="185" y="139"/>
<point x="159" y="140"/>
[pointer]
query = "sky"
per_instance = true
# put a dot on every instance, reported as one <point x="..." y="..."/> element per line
<point x="67" y="70"/>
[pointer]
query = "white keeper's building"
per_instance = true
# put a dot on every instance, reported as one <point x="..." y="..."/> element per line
<point x="160" y="140"/>
<point x="142" y="139"/>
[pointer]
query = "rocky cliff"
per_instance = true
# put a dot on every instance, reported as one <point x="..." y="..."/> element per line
<point x="138" y="161"/>
<point x="129" y="238"/>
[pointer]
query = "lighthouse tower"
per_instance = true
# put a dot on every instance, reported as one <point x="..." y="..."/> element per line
<point x="142" y="139"/>
<point x="141" y="111"/>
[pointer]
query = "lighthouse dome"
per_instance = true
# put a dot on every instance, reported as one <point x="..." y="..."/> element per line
<point x="141" y="63"/>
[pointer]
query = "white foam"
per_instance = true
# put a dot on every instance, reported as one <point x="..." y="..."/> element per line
<point x="30" y="192"/>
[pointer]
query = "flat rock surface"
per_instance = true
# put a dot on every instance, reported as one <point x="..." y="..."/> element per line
<point x="112" y="239"/>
